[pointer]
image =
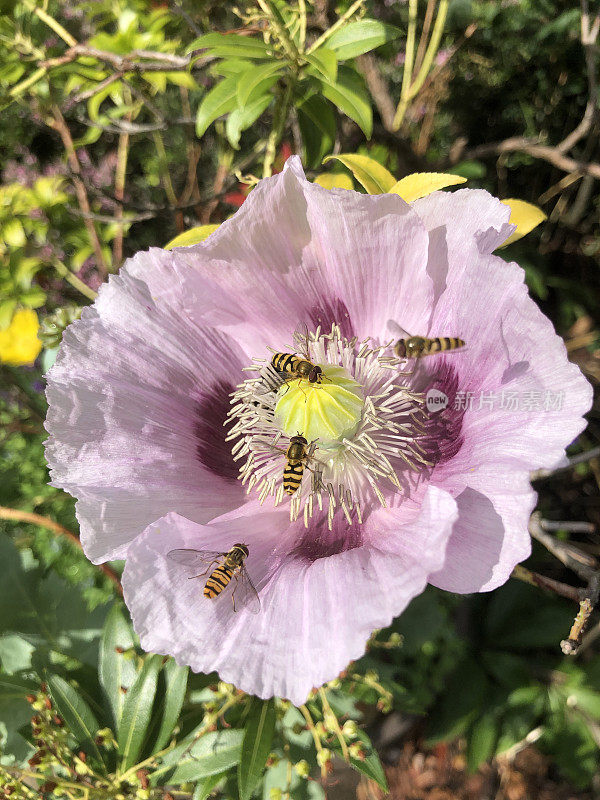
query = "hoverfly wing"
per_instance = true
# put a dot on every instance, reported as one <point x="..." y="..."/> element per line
<point x="246" y="595"/>
<point x="194" y="558"/>
<point x="397" y="330"/>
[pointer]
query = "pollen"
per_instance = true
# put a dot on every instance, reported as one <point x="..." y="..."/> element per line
<point x="326" y="412"/>
<point x="363" y="429"/>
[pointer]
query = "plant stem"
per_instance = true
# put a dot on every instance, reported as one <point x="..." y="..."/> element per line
<point x="302" y="9"/>
<point x="410" y="90"/>
<point x="432" y="48"/>
<point x="338" y="731"/>
<point x="163" y="165"/>
<point x="120" y="174"/>
<point x="311" y="727"/>
<point x="336" y="26"/>
<point x="287" y="42"/>
<point x="76" y="282"/>
<point x="408" y="63"/>
<point x="279" y="121"/>
<point x="56" y="26"/>
<point x="60" y="125"/>
<point x="16" y="515"/>
<point x="535" y="579"/>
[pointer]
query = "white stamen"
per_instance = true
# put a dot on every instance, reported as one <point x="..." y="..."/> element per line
<point x="363" y="467"/>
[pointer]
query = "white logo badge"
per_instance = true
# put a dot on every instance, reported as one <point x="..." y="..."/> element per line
<point x="436" y="400"/>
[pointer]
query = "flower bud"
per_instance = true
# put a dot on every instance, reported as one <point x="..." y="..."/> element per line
<point x="323" y="757"/>
<point x="356" y="751"/>
<point x="302" y="768"/>
<point x="350" y="729"/>
<point x="321" y="730"/>
<point x="330" y="721"/>
<point x="53" y="326"/>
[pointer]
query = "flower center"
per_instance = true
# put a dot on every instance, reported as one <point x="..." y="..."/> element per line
<point x="327" y="412"/>
<point x="346" y="441"/>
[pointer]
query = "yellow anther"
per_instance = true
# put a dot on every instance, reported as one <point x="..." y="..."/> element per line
<point x="329" y="411"/>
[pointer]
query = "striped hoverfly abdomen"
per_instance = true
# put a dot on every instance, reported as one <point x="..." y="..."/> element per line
<point x="230" y="569"/>
<point x="296" y="367"/>
<point x="419" y="346"/>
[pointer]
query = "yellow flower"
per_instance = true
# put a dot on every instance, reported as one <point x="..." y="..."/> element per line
<point x="19" y="343"/>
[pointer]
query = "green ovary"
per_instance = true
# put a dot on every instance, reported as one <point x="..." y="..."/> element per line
<point x="329" y="411"/>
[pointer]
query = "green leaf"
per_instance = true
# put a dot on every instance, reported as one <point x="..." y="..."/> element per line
<point x="242" y="118"/>
<point x="457" y="708"/>
<point x="14" y="686"/>
<point x="193" y="236"/>
<point x="258" y="738"/>
<point x="481" y="740"/>
<point x="370" y="173"/>
<point x="350" y="96"/>
<point x="205" y="786"/>
<point x="116" y="669"/>
<point x="211" y="754"/>
<point x="228" y="45"/>
<point x="317" y="127"/>
<point x="15" y="653"/>
<point x="371" y="765"/>
<point x="221" y="99"/>
<point x="323" y="62"/>
<point x="361" y="37"/>
<point x="175" y="685"/>
<point x="137" y="710"/>
<point x="76" y="713"/>
<point x="257" y="81"/>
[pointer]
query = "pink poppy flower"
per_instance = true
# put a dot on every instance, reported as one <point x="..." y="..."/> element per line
<point x="418" y="471"/>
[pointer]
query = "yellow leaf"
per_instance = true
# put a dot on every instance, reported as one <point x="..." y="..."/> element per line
<point x="334" y="180"/>
<point x="19" y="343"/>
<point x="525" y="216"/>
<point x="420" y="184"/>
<point x="193" y="236"/>
<point x="375" y="178"/>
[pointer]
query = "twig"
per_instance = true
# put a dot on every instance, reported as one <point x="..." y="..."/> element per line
<point x="120" y="175"/>
<point x="311" y="727"/>
<point x="535" y="579"/>
<point x="571" y="645"/>
<point x="61" y="126"/>
<point x="574" y="527"/>
<point x="424" y="33"/>
<point x="378" y="89"/>
<point x="540" y="474"/>
<point x="583" y="564"/>
<point x="15" y="515"/>
<point x="135" y="61"/>
<point x="76" y="282"/>
<point x="163" y="167"/>
<point x="80" y="98"/>
<point x="519" y="144"/>
<point x="336" y="26"/>
<point x="415" y="87"/>
<point x="56" y="26"/>
<point x="327" y="710"/>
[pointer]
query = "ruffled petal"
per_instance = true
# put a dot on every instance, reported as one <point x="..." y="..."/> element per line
<point x="316" y="616"/>
<point x="138" y="397"/>
<point x="460" y="224"/>
<point x="299" y="253"/>
<point x="521" y="404"/>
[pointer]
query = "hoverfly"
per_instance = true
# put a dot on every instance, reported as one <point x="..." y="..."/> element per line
<point x="289" y="366"/>
<point x="298" y="453"/>
<point x="230" y="565"/>
<point x="419" y="346"/>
